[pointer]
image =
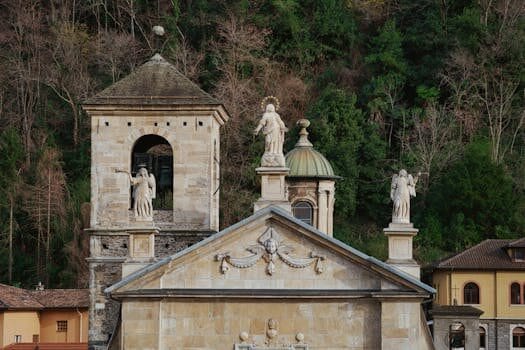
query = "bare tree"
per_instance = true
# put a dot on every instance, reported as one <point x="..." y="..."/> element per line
<point x="67" y="74"/>
<point x="24" y="45"/>
<point x="45" y="201"/>
<point x="117" y="53"/>
<point x="433" y="141"/>
<point x="486" y="85"/>
<point x="187" y="59"/>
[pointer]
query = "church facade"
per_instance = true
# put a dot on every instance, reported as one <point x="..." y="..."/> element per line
<point x="162" y="275"/>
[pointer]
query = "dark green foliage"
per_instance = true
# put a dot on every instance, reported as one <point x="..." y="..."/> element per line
<point x="367" y="80"/>
<point x="337" y="133"/>
<point x="373" y="185"/>
<point x="480" y="202"/>
<point x="310" y="32"/>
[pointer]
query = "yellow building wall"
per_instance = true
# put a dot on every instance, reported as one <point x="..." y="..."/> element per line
<point x="24" y="323"/>
<point x="440" y="283"/>
<point x="1" y="329"/>
<point x="77" y="326"/>
<point x="504" y="280"/>
<point x="494" y="291"/>
<point x="486" y="283"/>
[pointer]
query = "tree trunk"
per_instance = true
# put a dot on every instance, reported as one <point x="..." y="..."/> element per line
<point x="48" y="225"/>
<point x="10" y="268"/>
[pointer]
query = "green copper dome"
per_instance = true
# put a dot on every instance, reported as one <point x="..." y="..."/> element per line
<point x="305" y="161"/>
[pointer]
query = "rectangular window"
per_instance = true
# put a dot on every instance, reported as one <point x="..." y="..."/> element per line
<point x="36" y="338"/>
<point x="18" y="338"/>
<point x="519" y="254"/>
<point x="61" y="326"/>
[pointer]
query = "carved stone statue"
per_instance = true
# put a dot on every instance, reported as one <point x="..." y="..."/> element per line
<point x="273" y="129"/>
<point x="144" y="188"/>
<point x="403" y="187"/>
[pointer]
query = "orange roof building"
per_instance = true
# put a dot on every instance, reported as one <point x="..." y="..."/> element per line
<point x="49" y="316"/>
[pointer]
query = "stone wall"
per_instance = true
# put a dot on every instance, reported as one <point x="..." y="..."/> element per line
<point x="109" y="250"/>
<point x="503" y="333"/>
<point x="194" y="140"/>
<point x="169" y="243"/>
<point x="402" y="326"/>
<point x="200" y="325"/>
<point x="103" y="311"/>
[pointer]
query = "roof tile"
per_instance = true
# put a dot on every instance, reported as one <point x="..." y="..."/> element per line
<point x="62" y="298"/>
<point x="18" y="298"/>
<point x="157" y="82"/>
<point x="490" y="254"/>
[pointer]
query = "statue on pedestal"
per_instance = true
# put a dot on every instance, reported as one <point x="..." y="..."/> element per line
<point x="403" y="187"/>
<point x="273" y="129"/>
<point x="144" y="188"/>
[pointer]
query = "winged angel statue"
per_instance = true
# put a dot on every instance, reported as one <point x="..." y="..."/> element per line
<point x="403" y="187"/>
<point x="144" y="188"/>
<point x="270" y="248"/>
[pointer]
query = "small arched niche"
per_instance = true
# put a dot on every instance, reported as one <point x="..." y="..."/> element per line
<point x="457" y="336"/>
<point x="155" y="153"/>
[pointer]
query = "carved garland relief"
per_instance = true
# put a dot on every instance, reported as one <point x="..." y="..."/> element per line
<point x="270" y="248"/>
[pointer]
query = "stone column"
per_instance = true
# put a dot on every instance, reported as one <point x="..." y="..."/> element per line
<point x="273" y="188"/>
<point x="402" y="326"/>
<point x="325" y="206"/>
<point x="400" y="238"/>
<point x="322" y="202"/>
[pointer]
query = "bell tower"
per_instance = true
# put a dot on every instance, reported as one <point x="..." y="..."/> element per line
<point x="154" y="178"/>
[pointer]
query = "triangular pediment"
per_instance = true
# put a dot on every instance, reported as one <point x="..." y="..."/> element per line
<point x="270" y="253"/>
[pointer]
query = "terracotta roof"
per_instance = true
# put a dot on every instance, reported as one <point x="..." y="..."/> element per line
<point x="18" y="298"/>
<point x="156" y="82"/>
<point x="490" y="254"/>
<point x="62" y="298"/>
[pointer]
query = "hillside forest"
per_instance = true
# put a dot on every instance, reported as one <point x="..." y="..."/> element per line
<point x="433" y="86"/>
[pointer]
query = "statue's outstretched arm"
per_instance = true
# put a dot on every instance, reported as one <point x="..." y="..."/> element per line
<point x="259" y="126"/>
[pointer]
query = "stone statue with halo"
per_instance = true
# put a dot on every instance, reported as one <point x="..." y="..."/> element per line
<point x="273" y="129"/>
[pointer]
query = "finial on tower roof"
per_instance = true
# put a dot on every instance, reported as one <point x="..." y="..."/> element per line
<point x="303" y="134"/>
<point x="159" y="30"/>
<point x="158" y="41"/>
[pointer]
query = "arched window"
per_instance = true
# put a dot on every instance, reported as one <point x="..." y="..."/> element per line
<point x="482" y="338"/>
<point x="515" y="293"/>
<point x="457" y="336"/>
<point x="154" y="153"/>
<point x="471" y="293"/>
<point x="518" y="337"/>
<point x="304" y="211"/>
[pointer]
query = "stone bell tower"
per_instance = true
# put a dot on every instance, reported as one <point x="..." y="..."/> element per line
<point x="154" y="178"/>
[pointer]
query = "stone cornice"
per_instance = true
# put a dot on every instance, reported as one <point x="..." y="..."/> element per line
<point x="367" y="294"/>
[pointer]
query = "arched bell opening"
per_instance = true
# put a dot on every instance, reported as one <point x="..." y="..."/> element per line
<point x="155" y="153"/>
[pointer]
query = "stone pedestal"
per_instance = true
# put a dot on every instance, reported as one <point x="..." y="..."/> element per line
<point x="400" y="238"/>
<point x="273" y="188"/>
<point x="141" y="249"/>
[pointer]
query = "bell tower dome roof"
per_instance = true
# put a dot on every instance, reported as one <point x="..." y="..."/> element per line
<point x="304" y="161"/>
